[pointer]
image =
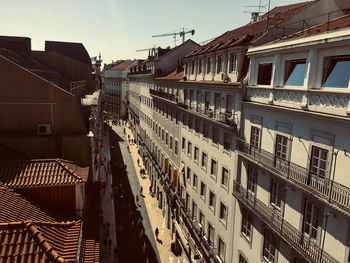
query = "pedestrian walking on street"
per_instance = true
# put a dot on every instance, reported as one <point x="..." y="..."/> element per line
<point x="156" y="232"/>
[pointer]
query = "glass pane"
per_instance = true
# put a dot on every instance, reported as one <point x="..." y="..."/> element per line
<point x="296" y="78"/>
<point x="339" y="76"/>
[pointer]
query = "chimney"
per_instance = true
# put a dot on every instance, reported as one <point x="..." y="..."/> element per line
<point x="255" y="17"/>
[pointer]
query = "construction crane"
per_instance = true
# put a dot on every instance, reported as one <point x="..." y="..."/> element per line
<point x="181" y="34"/>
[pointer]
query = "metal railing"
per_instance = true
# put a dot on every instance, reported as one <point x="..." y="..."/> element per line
<point x="163" y="94"/>
<point x="301" y="243"/>
<point x="325" y="188"/>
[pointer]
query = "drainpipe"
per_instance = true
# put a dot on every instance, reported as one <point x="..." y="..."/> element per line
<point x="331" y="187"/>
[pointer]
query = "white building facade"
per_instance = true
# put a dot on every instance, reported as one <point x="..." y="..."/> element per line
<point x="292" y="192"/>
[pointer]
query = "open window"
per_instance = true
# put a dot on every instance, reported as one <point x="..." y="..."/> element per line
<point x="264" y="74"/>
<point x="336" y="72"/>
<point x="295" y="72"/>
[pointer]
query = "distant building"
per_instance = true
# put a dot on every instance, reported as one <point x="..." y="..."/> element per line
<point x="96" y="64"/>
<point x="116" y="88"/>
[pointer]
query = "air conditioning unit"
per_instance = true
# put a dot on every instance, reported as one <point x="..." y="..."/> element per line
<point x="44" y="129"/>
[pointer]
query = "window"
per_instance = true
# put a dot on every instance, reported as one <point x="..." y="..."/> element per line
<point x="166" y="138"/>
<point x="210" y="234"/>
<point x="224" y="177"/>
<point x="209" y="62"/>
<point x="311" y="220"/>
<point x="196" y="154"/>
<point x="194" y="210"/>
<point x="264" y="74"/>
<point x="195" y="181"/>
<point x="227" y="141"/>
<point x="295" y="72"/>
<point x="205" y="130"/>
<point x="176" y="147"/>
<point x="255" y="137"/>
<point x="184" y="116"/>
<point x="232" y="62"/>
<point x="204" y="160"/>
<point x="251" y="180"/>
<point x="337" y="72"/>
<point x="200" y="66"/>
<point x="201" y="218"/>
<point x="247" y="224"/>
<point x="189" y="149"/>
<point x="192" y="66"/>
<point x="162" y="134"/>
<point x="242" y="259"/>
<point x="213" y="167"/>
<point x="269" y="249"/>
<point x="203" y="190"/>
<point x="223" y="212"/>
<point x="188" y="174"/>
<point x="221" y="249"/>
<point x="318" y="163"/>
<point x="190" y="121"/>
<point x="198" y="125"/>
<point x="187" y="68"/>
<point x="183" y="143"/>
<point x="281" y="150"/>
<point x="212" y="200"/>
<point x="171" y="142"/>
<point x="276" y="194"/>
<point x="187" y="203"/>
<point x="215" y="134"/>
<point x="219" y="64"/>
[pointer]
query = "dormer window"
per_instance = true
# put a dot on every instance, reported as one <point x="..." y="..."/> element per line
<point x="192" y="67"/>
<point x="295" y="72"/>
<point x="199" y="66"/>
<point x="264" y="74"/>
<point x="336" y="72"/>
<point x="186" y="68"/>
<point x="219" y="63"/>
<point x="233" y="62"/>
<point x="209" y="60"/>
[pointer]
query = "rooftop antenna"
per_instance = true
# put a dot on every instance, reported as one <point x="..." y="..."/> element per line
<point x="256" y="6"/>
<point x="181" y="34"/>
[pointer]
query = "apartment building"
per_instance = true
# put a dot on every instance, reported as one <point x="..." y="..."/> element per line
<point x="37" y="96"/>
<point x="292" y="192"/>
<point x="116" y="86"/>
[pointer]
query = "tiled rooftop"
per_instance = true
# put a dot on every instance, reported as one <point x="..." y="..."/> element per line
<point x="338" y="23"/>
<point x="174" y="75"/>
<point x="123" y="66"/>
<point x="30" y="234"/>
<point x="251" y="32"/>
<point x="32" y="173"/>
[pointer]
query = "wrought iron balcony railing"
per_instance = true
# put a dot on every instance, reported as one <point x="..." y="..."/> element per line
<point x="195" y="233"/>
<point x="325" y="188"/>
<point x="163" y="94"/>
<point x="302" y="244"/>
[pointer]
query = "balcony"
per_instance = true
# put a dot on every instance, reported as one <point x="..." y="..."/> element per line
<point x="162" y="94"/>
<point x="226" y="118"/>
<point x="308" y="249"/>
<point x="195" y="234"/>
<point x="329" y="191"/>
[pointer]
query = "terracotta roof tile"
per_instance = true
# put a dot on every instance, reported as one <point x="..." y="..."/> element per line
<point x="29" y="234"/>
<point x="174" y="75"/>
<point x="123" y="65"/>
<point x="249" y="33"/>
<point x="31" y="173"/>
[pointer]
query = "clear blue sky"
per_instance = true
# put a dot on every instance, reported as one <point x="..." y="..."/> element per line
<point x="117" y="28"/>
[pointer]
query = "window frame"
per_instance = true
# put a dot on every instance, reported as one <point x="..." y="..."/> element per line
<point x="247" y="225"/>
<point x="270" y="242"/>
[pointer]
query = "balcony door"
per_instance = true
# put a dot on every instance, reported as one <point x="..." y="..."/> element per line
<point x="318" y="168"/>
<point x="311" y="222"/>
<point x="281" y="152"/>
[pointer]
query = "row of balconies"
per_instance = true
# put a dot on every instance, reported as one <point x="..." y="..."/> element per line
<point x="163" y="94"/>
<point x="329" y="191"/>
<point x="292" y="236"/>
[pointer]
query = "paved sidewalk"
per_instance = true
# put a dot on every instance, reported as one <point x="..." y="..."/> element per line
<point x="151" y="203"/>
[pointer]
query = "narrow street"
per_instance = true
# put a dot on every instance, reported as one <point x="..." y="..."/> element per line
<point x="136" y="213"/>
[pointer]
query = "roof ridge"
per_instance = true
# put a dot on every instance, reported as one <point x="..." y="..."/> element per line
<point x="43" y="243"/>
<point x="70" y="171"/>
